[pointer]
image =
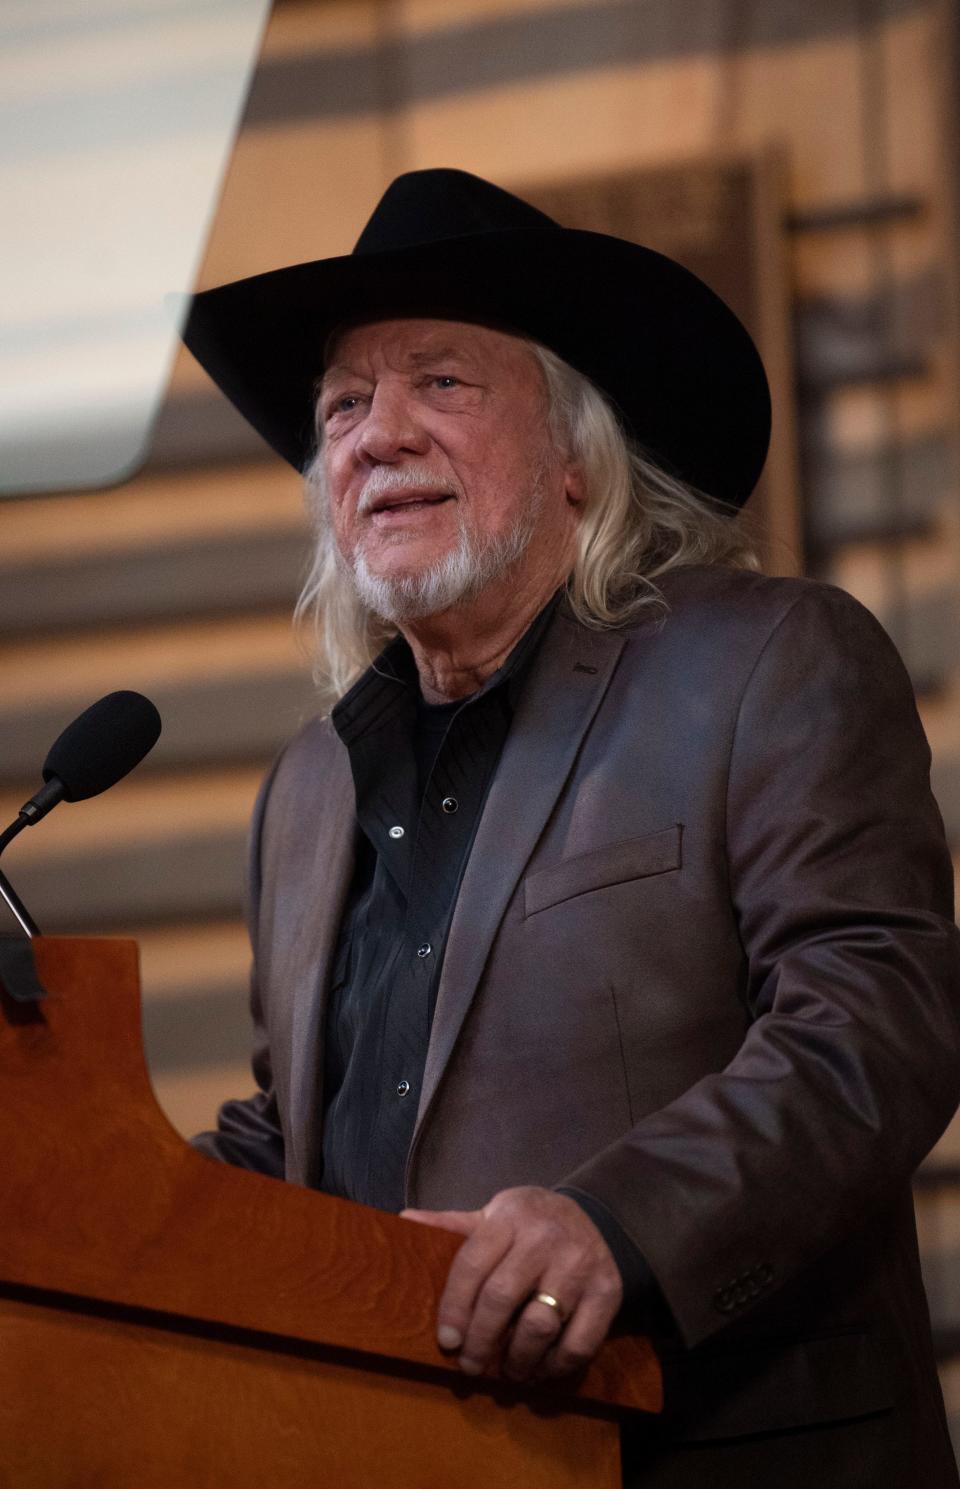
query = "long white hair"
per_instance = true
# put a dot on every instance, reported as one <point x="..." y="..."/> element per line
<point x="638" y="522"/>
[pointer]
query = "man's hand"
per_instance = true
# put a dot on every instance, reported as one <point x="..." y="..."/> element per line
<point x="523" y="1242"/>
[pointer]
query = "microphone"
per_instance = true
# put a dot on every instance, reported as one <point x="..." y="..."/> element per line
<point x="98" y="749"/>
<point x="94" y="752"/>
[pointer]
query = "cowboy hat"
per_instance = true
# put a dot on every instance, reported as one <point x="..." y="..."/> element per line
<point x="676" y="363"/>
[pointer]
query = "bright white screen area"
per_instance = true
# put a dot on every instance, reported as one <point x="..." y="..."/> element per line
<point x="116" y="121"/>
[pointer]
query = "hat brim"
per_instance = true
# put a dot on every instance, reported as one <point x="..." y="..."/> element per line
<point x="681" y="370"/>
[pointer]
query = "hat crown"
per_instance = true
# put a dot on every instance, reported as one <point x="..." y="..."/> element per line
<point x="428" y="206"/>
<point x="678" y="367"/>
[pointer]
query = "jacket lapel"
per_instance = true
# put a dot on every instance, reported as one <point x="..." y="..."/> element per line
<point x="562" y="693"/>
<point x="354" y="726"/>
<point x="310" y="976"/>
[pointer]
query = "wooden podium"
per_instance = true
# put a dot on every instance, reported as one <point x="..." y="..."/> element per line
<point x="170" y="1321"/>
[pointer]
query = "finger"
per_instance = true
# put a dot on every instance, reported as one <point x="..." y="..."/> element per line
<point x="463" y="1222"/>
<point x="470" y="1269"/>
<point x="536" y="1331"/>
<point x="505" y="1290"/>
<point x="580" y="1340"/>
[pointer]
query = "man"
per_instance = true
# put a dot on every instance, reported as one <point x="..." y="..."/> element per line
<point x="607" y="921"/>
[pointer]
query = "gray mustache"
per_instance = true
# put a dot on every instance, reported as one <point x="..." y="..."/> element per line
<point x="385" y="478"/>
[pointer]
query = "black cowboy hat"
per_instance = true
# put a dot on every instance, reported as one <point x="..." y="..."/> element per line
<point x="677" y="364"/>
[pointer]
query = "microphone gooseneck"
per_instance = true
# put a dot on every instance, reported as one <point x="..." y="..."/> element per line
<point x="100" y="747"/>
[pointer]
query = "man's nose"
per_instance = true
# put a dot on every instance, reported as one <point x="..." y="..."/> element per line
<point x="391" y="428"/>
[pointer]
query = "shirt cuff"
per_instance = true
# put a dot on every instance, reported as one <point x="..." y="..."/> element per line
<point x="642" y="1298"/>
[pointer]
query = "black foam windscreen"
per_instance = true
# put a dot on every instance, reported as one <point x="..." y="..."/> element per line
<point x="107" y="740"/>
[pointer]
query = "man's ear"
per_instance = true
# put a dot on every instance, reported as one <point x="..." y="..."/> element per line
<point x="574" y="486"/>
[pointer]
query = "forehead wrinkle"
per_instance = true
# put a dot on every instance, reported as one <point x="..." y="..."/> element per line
<point x="438" y="353"/>
<point x="342" y="369"/>
<point x="414" y="358"/>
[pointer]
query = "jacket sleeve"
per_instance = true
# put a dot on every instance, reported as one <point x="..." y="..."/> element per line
<point x="841" y="885"/>
<point x="248" y="1131"/>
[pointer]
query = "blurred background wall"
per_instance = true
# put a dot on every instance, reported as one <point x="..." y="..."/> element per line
<point x="802" y="154"/>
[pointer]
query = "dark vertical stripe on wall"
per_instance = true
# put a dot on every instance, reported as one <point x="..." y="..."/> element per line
<point x="488" y="54"/>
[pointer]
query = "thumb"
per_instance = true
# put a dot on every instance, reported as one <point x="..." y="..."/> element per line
<point x="462" y="1222"/>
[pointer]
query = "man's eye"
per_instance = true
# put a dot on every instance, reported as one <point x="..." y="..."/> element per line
<point x="344" y="405"/>
<point x="444" y="381"/>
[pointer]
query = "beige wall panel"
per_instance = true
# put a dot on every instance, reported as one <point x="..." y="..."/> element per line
<point x="295" y="193"/>
<point x="190" y="1098"/>
<point x="917" y="398"/>
<point x="183" y="959"/>
<point x="570" y="125"/>
<point x="843" y="262"/>
<point x="299" y="26"/>
<point x="858" y="418"/>
<point x="914" y="148"/>
<point x="833" y="263"/>
<point x="140" y="808"/>
<point x="948" y="1148"/>
<point x="941" y="721"/>
<point x="415" y="17"/>
<point x="938" y="1223"/>
<point x="33" y="673"/>
<point x="925" y="566"/>
<point x="806" y="97"/>
<point x="950" y="1382"/>
<point x="915" y="246"/>
<point x="153" y="509"/>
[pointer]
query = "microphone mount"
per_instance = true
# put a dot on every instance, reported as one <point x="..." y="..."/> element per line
<point x="15" y="904"/>
<point x="30" y="813"/>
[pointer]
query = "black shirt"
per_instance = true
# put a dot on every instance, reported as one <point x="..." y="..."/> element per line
<point x="421" y="773"/>
<point x="420" y="777"/>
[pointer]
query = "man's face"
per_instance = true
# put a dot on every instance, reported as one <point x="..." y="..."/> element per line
<point x="440" y="463"/>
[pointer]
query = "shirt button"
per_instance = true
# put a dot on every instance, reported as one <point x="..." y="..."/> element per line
<point x="403" y="1088"/>
<point x="396" y="832"/>
<point x="450" y="804"/>
<point x="425" y="949"/>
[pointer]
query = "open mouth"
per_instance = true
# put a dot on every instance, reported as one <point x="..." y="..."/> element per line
<point x="409" y="501"/>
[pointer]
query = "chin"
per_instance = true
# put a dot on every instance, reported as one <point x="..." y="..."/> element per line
<point x="414" y="592"/>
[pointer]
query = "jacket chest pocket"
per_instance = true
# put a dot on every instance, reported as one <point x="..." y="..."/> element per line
<point x="614" y="863"/>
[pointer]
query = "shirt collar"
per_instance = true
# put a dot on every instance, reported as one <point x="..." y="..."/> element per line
<point x="391" y="686"/>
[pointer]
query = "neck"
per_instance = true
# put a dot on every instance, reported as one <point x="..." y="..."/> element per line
<point x="457" y="650"/>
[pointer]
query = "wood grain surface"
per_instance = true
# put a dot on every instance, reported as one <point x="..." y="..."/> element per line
<point x="124" y="1252"/>
<point x="87" y="1403"/>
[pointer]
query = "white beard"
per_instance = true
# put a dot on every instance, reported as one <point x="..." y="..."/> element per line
<point x="458" y="576"/>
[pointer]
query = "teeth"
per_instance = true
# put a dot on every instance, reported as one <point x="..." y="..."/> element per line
<point x="414" y="501"/>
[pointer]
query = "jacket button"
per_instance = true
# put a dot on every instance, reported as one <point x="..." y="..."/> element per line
<point x="403" y="1088"/>
<point x="396" y="832"/>
<point x="424" y="950"/>
<point x="450" y="804"/>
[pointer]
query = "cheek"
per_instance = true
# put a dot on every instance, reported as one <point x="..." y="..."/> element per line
<point x="499" y="480"/>
<point x="341" y="505"/>
<point x="505" y="488"/>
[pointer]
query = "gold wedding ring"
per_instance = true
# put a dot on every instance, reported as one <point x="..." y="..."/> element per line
<point x="551" y="1302"/>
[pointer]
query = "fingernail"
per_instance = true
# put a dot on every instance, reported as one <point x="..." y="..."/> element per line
<point x="470" y="1367"/>
<point x="448" y="1337"/>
